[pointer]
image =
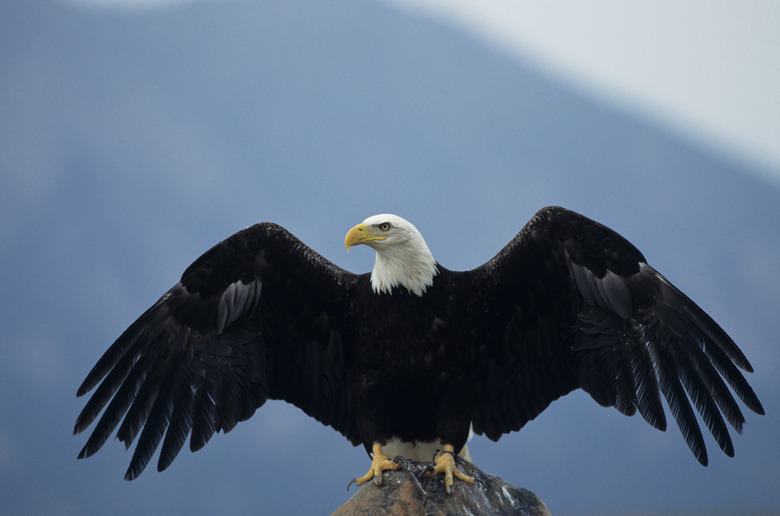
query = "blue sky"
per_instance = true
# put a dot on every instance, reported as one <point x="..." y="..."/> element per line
<point x="133" y="140"/>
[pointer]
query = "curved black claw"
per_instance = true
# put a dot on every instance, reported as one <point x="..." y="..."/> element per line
<point x="354" y="481"/>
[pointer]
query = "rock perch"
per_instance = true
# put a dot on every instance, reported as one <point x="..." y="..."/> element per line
<point x="401" y="494"/>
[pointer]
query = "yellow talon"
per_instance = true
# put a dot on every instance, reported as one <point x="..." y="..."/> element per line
<point x="379" y="464"/>
<point x="444" y="462"/>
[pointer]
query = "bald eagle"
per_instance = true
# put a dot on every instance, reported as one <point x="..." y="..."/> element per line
<point x="412" y="354"/>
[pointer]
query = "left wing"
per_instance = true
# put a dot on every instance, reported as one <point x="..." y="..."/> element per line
<point x="258" y="316"/>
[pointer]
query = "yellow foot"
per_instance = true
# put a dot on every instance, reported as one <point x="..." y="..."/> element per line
<point x="379" y="464"/>
<point x="444" y="462"/>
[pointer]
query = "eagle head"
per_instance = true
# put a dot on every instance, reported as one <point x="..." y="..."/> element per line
<point x="402" y="256"/>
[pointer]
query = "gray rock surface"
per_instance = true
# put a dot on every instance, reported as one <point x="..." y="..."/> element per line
<point x="410" y="492"/>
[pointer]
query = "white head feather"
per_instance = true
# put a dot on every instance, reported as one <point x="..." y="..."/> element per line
<point x="402" y="256"/>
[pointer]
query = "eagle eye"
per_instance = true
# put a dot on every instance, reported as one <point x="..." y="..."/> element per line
<point x="384" y="226"/>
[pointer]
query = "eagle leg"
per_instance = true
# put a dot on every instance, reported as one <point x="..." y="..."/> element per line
<point x="379" y="464"/>
<point x="444" y="462"/>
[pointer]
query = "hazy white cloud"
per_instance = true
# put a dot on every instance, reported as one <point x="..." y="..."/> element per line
<point x="709" y="69"/>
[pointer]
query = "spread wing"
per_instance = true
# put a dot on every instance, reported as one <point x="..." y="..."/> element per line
<point x="568" y="304"/>
<point x="258" y="316"/>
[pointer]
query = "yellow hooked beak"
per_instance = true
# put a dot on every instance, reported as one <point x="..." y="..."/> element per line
<point x="361" y="234"/>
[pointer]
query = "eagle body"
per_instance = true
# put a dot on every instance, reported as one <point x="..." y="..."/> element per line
<point x="411" y="383"/>
<point x="413" y="352"/>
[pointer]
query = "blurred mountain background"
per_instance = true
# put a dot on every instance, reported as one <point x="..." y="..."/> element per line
<point x="133" y="140"/>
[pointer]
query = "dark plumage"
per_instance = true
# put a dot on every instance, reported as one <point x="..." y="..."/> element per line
<point x="567" y="304"/>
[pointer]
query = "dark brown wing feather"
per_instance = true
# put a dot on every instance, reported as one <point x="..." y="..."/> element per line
<point x="570" y="303"/>
<point x="258" y="316"/>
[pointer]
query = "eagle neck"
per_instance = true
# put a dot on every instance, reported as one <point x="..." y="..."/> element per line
<point x="400" y="267"/>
